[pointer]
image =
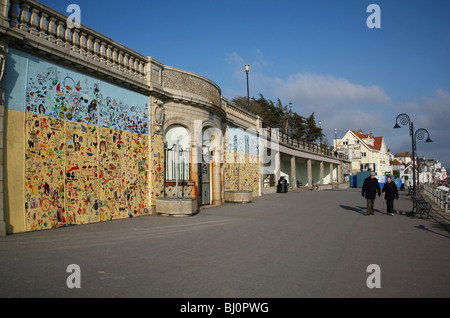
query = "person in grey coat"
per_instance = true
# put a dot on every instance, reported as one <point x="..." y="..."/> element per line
<point x="369" y="190"/>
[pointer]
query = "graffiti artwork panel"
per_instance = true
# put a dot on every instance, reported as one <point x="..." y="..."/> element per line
<point x="241" y="167"/>
<point x="87" y="157"/>
<point x="157" y="167"/>
<point x="112" y="178"/>
<point x="137" y="175"/>
<point x="61" y="93"/>
<point x="82" y="173"/>
<point x="44" y="173"/>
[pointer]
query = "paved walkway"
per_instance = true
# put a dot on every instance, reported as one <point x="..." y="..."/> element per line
<point x="300" y="244"/>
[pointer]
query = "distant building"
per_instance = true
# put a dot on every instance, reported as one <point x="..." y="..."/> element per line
<point x="366" y="152"/>
<point x="404" y="157"/>
<point x="427" y="170"/>
<point x="430" y="170"/>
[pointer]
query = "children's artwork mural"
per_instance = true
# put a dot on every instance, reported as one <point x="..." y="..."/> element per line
<point x="64" y="94"/>
<point x="45" y="166"/>
<point x="82" y="173"/>
<point x="112" y="175"/>
<point x="87" y="155"/>
<point x="241" y="167"/>
<point x="157" y="167"/>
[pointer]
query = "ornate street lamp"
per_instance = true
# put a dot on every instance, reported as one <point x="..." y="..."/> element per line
<point x="419" y="134"/>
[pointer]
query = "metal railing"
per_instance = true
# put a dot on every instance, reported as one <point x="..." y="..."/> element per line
<point x="277" y="134"/>
<point x="439" y="196"/>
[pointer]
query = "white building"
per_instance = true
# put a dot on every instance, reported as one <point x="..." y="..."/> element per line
<point x="367" y="152"/>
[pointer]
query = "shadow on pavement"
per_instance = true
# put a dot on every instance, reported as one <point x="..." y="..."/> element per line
<point x="359" y="209"/>
<point x="423" y="227"/>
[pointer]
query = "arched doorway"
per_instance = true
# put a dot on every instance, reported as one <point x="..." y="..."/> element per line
<point x="177" y="162"/>
<point x="210" y="183"/>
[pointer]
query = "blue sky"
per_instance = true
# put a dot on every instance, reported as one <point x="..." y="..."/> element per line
<point x="319" y="55"/>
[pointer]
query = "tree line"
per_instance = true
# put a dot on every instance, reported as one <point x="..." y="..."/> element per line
<point x="277" y="115"/>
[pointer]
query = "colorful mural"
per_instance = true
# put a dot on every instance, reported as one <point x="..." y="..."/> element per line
<point x="112" y="177"/>
<point x="61" y="93"/>
<point x="82" y="173"/>
<point x="87" y="156"/>
<point x="137" y="175"/>
<point x="241" y="166"/>
<point x="157" y="168"/>
<point x="45" y="166"/>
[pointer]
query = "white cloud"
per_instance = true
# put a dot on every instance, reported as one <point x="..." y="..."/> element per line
<point x="316" y="89"/>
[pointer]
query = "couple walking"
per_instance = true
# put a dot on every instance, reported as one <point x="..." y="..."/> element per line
<point x="370" y="189"/>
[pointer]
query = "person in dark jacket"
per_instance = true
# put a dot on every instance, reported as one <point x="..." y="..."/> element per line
<point x="369" y="190"/>
<point x="390" y="194"/>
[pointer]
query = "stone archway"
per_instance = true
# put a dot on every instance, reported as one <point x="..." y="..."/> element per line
<point x="211" y="162"/>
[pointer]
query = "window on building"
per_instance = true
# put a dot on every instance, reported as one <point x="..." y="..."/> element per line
<point x="177" y="161"/>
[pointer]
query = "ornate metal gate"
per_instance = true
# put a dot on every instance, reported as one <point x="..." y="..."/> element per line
<point x="204" y="176"/>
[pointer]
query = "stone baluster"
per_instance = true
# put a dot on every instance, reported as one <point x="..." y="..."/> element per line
<point x="103" y="52"/>
<point x="131" y="65"/>
<point x="114" y="55"/>
<point x="4" y="9"/>
<point x="108" y="54"/>
<point x="52" y="29"/>
<point x="136" y="67"/>
<point x="142" y="69"/>
<point x="23" y="18"/>
<point x="90" y="47"/>
<point x="34" y="23"/>
<point x="43" y="30"/>
<point x="68" y="39"/>
<point x="120" y="58"/>
<point x="13" y="14"/>
<point x="125" y="63"/>
<point x="75" y="40"/>
<point x="96" y="49"/>
<point x="83" y="43"/>
<point x="60" y="32"/>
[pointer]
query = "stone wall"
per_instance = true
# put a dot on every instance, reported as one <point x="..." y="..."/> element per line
<point x="187" y="82"/>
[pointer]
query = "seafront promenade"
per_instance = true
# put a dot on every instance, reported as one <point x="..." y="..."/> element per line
<point x="294" y="245"/>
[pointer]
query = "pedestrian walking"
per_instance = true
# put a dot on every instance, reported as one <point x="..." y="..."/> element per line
<point x="390" y="194"/>
<point x="369" y="190"/>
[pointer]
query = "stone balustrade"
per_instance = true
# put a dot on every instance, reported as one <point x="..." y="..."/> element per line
<point x="39" y="23"/>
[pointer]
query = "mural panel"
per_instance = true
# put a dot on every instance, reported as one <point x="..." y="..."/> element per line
<point x="241" y="167"/>
<point x="87" y="149"/>
<point x="45" y="173"/>
<point x="82" y="173"/>
<point x="137" y="176"/>
<point x="112" y="152"/>
<point x="61" y="93"/>
<point x="157" y="168"/>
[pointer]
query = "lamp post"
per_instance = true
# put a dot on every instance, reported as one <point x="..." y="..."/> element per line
<point x="321" y="138"/>
<point x="335" y="138"/>
<point x="419" y="134"/>
<point x="247" y="70"/>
